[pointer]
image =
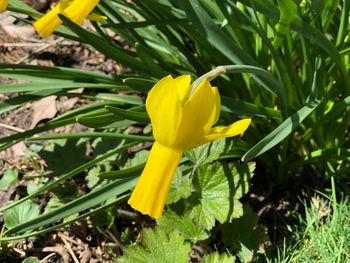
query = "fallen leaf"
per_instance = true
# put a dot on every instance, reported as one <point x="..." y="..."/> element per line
<point x="18" y="149"/>
<point x="17" y="31"/>
<point x="43" y="109"/>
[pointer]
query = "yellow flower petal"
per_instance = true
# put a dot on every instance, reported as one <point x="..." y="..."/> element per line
<point x="3" y="5"/>
<point x="78" y="10"/>
<point x="96" y="17"/>
<point x="234" y="129"/>
<point x="49" y="22"/>
<point x="217" y="105"/>
<point x="183" y="85"/>
<point x="164" y="108"/>
<point x="150" y="193"/>
<point x="198" y="115"/>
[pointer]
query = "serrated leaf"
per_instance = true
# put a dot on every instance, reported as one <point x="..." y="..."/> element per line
<point x="244" y="235"/>
<point x="64" y="155"/>
<point x="181" y="187"/>
<point x="139" y="158"/>
<point x="206" y="153"/>
<point x="217" y="258"/>
<point x="158" y="246"/>
<point x="30" y="260"/>
<point x="34" y="185"/>
<point x="217" y="190"/>
<point x="127" y="236"/>
<point x="54" y="203"/>
<point x="10" y="177"/>
<point x="92" y="177"/>
<point x="21" y="213"/>
<point x="105" y="217"/>
<point x="66" y="191"/>
<point x="183" y="224"/>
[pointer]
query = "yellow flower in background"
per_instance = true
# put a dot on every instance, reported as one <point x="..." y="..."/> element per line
<point x="3" y="5"/>
<point x="75" y="10"/>
<point x="180" y="121"/>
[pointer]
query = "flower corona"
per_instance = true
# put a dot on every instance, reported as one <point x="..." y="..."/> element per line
<point x="182" y="117"/>
<point x="3" y="5"/>
<point x="75" y="10"/>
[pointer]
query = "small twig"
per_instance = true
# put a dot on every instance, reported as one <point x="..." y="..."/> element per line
<point x="86" y="255"/>
<point x="116" y="241"/>
<point x="9" y="127"/>
<point x="69" y="248"/>
<point x="59" y="250"/>
<point x="23" y="44"/>
<point x="70" y="240"/>
<point x="128" y="214"/>
<point x="40" y="50"/>
<point x="47" y="257"/>
<point x="22" y="253"/>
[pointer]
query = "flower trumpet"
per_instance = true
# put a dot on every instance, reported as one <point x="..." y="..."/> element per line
<point x="3" y="5"/>
<point x="181" y="119"/>
<point x="75" y="10"/>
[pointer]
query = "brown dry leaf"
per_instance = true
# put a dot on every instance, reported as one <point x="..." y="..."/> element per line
<point x="43" y="109"/>
<point x="18" y="149"/>
<point x="17" y="31"/>
<point x="69" y="103"/>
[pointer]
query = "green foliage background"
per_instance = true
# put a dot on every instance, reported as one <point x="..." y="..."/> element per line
<point x="291" y="65"/>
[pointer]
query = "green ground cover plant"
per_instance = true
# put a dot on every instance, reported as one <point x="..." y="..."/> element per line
<point x="287" y="68"/>
<point x="322" y="235"/>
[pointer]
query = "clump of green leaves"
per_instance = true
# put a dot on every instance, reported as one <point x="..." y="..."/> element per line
<point x="211" y="205"/>
<point x="158" y="246"/>
<point x="323" y="234"/>
<point x="292" y="77"/>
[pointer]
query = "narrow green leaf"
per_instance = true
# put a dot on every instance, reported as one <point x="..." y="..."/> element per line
<point x="49" y="74"/>
<point x="243" y="108"/>
<point x="69" y="175"/>
<point x="21" y="136"/>
<point x="91" y="135"/>
<point x="140" y="84"/>
<point x="288" y="11"/>
<point x="97" y="120"/>
<point x="218" y="39"/>
<point x="104" y="47"/>
<point x="123" y="99"/>
<point x="21" y="7"/>
<point x="314" y="35"/>
<point x="67" y="222"/>
<point x="323" y="154"/>
<point x="124" y="173"/>
<point x="57" y="85"/>
<point x="128" y="114"/>
<point x="87" y="201"/>
<point x="281" y="132"/>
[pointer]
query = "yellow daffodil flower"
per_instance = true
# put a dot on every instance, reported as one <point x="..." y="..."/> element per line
<point x="75" y="10"/>
<point x="3" y="5"/>
<point x="181" y="120"/>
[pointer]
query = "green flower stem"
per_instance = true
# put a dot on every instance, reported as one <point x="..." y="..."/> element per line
<point x="235" y="69"/>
